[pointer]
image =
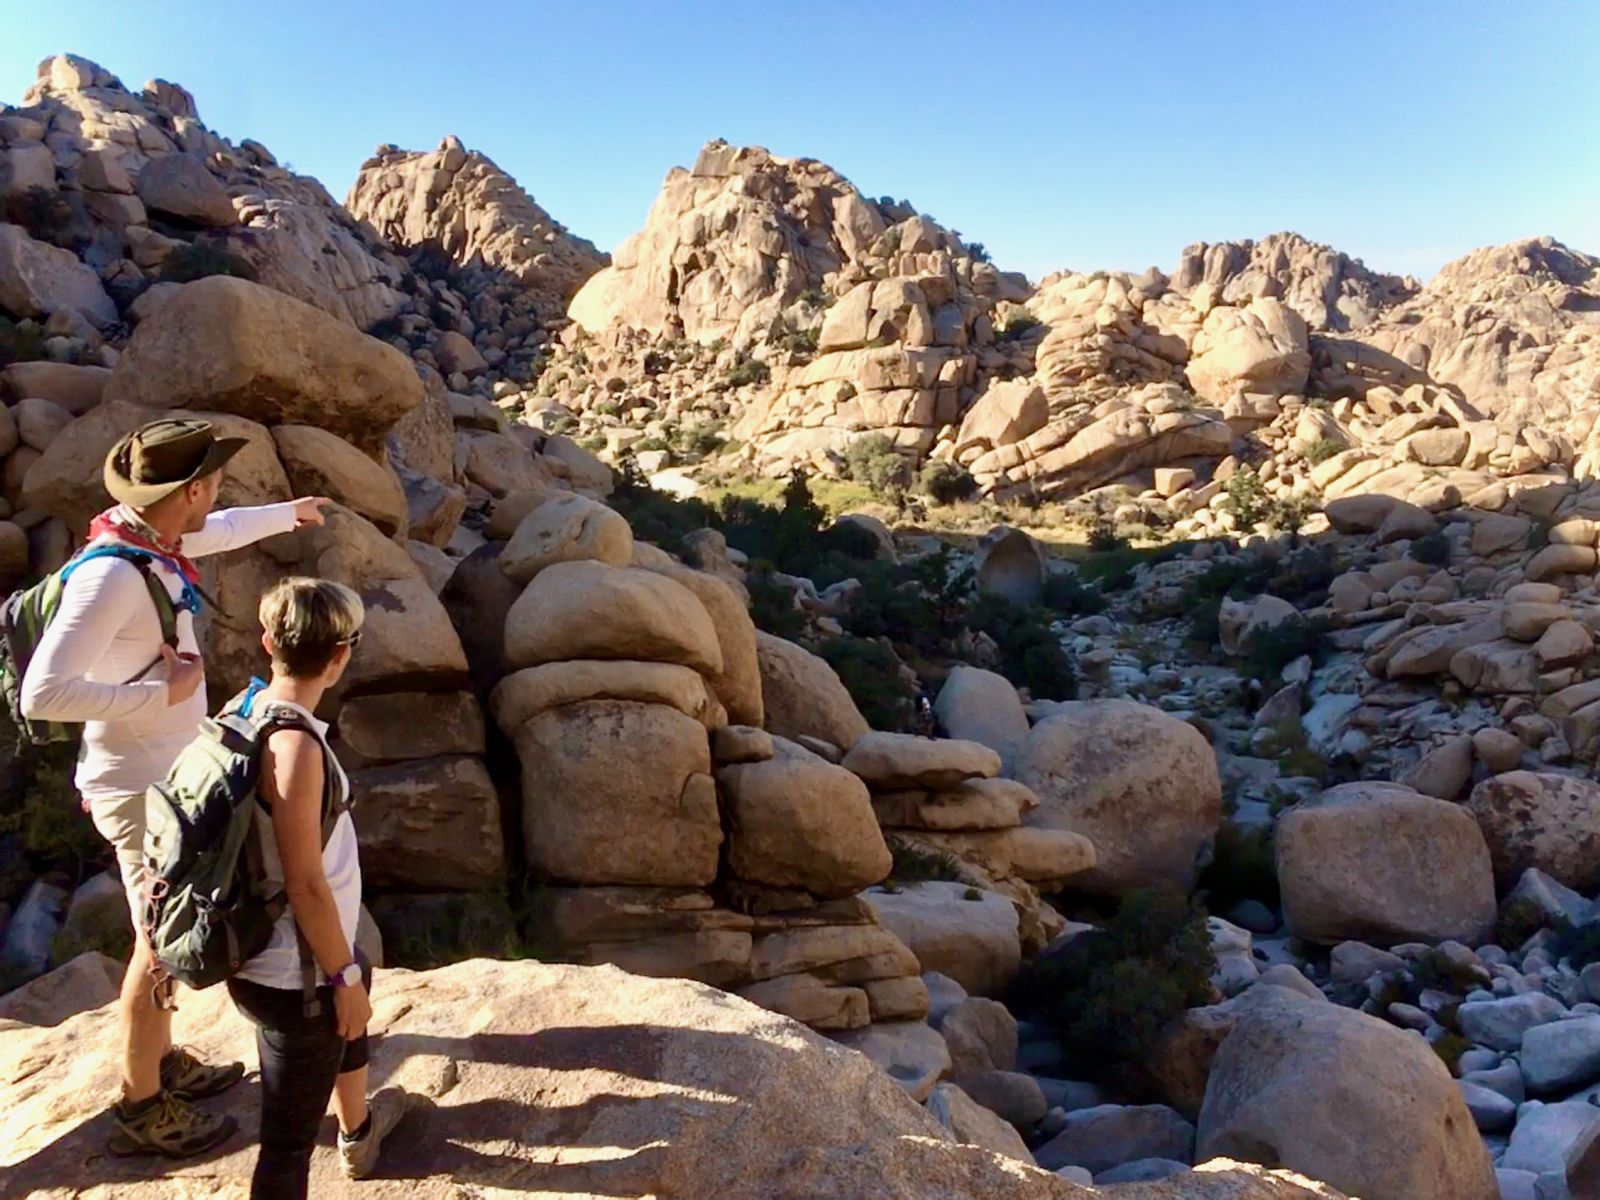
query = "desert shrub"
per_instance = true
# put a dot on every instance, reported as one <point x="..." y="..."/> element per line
<point x="20" y="341"/>
<point x="1246" y="500"/>
<point x="423" y="932"/>
<point x="1269" y="650"/>
<point x="772" y="604"/>
<point x="1301" y="576"/>
<point x="873" y="461"/>
<point x="1578" y="944"/>
<point x="44" y="212"/>
<point x="789" y="535"/>
<point x="1018" y="326"/>
<point x="1205" y="621"/>
<point x="785" y="336"/>
<point x="657" y="516"/>
<point x="1110" y="564"/>
<point x="978" y="252"/>
<point x="593" y="444"/>
<point x="1243" y="867"/>
<point x="698" y="441"/>
<point x="1109" y="993"/>
<point x="921" y="864"/>
<point x="1517" y="921"/>
<point x="39" y="804"/>
<point x="922" y="607"/>
<point x="1296" y="758"/>
<point x="1031" y="655"/>
<point x="1290" y="513"/>
<point x="1103" y="536"/>
<point x="1450" y="1047"/>
<point x="946" y="483"/>
<point x="113" y="940"/>
<point x="1431" y="548"/>
<point x="814" y="297"/>
<point x="1065" y="594"/>
<point x="387" y="328"/>
<point x="198" y="260"/>
<point x="747" y="371"/>
<point x="1321" y="450"/>
<point x="870" y="672"/>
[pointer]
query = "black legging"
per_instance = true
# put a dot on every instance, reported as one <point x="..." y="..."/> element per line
<point x="301" y="1057"/>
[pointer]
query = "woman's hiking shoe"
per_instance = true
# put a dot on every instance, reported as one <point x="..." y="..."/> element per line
<point x="359" y="1155"/>
<point x="188" y="1078"/>
<point x="167" y="1126"/>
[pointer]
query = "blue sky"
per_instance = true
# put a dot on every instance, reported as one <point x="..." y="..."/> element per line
<point x="1062" y="135"/>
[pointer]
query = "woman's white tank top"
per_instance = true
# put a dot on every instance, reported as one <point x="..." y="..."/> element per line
<point x="278" y="966"/>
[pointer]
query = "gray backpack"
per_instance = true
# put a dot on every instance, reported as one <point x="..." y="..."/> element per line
<point x="209" y="907"/>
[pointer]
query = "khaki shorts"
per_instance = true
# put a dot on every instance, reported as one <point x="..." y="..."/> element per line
<point x="120" y="821"/>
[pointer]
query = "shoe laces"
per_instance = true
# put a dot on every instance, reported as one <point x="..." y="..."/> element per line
<point x="172" y="1110"/>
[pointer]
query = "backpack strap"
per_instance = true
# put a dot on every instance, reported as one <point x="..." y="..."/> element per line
<point x="166" y="609"/>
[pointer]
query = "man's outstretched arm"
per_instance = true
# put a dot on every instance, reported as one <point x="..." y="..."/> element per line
<point x="234" y="527"/>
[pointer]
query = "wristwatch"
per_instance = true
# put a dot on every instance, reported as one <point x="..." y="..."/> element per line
<point x="346" y="976"/>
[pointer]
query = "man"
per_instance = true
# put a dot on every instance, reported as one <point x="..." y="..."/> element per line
<point x="103" y="662"/>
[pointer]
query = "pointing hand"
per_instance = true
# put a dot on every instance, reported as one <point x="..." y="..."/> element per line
<point x="308" y="511"/>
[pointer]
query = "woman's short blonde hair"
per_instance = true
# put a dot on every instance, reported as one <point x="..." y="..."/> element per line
<point x="308" y="620"/>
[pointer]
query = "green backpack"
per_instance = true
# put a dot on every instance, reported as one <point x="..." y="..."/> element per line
<point x="26" y="614"/>
<point x="209" y="907"/>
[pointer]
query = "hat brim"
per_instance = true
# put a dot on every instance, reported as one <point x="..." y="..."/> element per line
<point x="141" y="495"/>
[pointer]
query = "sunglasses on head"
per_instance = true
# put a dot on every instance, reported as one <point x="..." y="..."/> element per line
<point x="352" y="641"/>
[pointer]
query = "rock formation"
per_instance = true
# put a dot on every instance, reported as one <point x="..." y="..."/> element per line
<point x="1363" y="741"/>
<point x="458" y="200"/>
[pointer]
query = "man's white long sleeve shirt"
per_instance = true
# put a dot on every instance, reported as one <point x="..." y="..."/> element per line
<point x="105" y="632"/>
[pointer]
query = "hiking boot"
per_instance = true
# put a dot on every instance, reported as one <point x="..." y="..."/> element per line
<point x="384" y="1111"/>
<point x="167" y="1126"/>
<point x="188" y="1078"/>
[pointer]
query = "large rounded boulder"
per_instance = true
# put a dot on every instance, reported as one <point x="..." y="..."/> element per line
<point x="66" y="480"/>
<point x="591" y="610"/>
<point x="1541" y="820"/>
<point x="616" y="792"/>
<point x="1259" y="349"/>
<point x="982" y="706"/>
<point x="1346" y="1098"/>
<point x="803" y="696"/>
<point x="569" y="528"/>
<point x="797" y="820"/>
<point x="233" y="346"/>
<point x="1139" y="784"/>
<point x="738" y="684"/>
<point x="320" y="463"/>
<point x="1379" y="862"/>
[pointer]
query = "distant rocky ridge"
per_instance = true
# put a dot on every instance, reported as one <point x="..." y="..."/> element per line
<point x="472" y="210"/>
<point x="766" y="298"/>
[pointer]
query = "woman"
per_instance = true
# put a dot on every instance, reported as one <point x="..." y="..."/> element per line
<point x="307" y="991"/>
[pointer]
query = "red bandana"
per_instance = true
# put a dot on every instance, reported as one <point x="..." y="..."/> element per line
<point x="107" y="525"/>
